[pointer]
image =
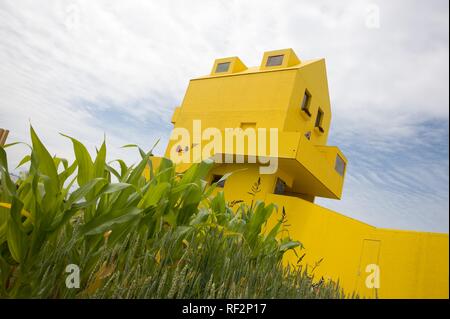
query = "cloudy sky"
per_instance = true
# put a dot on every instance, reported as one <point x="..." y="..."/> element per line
<point x="89" y="68"/>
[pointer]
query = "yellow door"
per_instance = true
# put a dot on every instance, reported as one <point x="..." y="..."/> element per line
<point x="368" y="280"/>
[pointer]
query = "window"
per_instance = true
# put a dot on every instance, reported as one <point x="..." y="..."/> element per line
<point x="280" y="187"/>
<point x="306" y="102"/>
<point x="319" y="120"/>
<point x="308" y="135"/>
<point x="340" y="165"/>
<point x="216" y="179"/>
<point x="222" y="67"/>
<point x="274" y="60"/>
<point x="246" y="125"/>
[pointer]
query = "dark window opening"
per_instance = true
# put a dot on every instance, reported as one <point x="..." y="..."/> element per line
<point x="306" y="103"/>
<point x="222" y="67"/>
<point x="319" y="120"/>
<point x="280" y="187"/>
<point x="274" y="60"/>
<point x="308" y="135"/>
<point x="216" y="179"/>
<point x="340" y="165"/>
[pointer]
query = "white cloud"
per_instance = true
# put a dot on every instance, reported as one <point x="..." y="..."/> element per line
<point x="120" y="67"/>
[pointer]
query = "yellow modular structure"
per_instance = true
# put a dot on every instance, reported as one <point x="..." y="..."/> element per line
<point x="290" y="97"/>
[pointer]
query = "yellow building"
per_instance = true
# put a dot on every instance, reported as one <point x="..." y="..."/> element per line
<point x="291" y="96"/>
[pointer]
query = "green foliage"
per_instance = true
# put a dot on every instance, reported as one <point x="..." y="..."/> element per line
<point x="166" y="237"/>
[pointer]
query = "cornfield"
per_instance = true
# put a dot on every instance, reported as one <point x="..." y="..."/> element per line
<point x="169" y="236"/>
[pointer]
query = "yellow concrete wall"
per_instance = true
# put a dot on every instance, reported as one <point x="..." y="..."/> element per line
<point x="412" y="264"/>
